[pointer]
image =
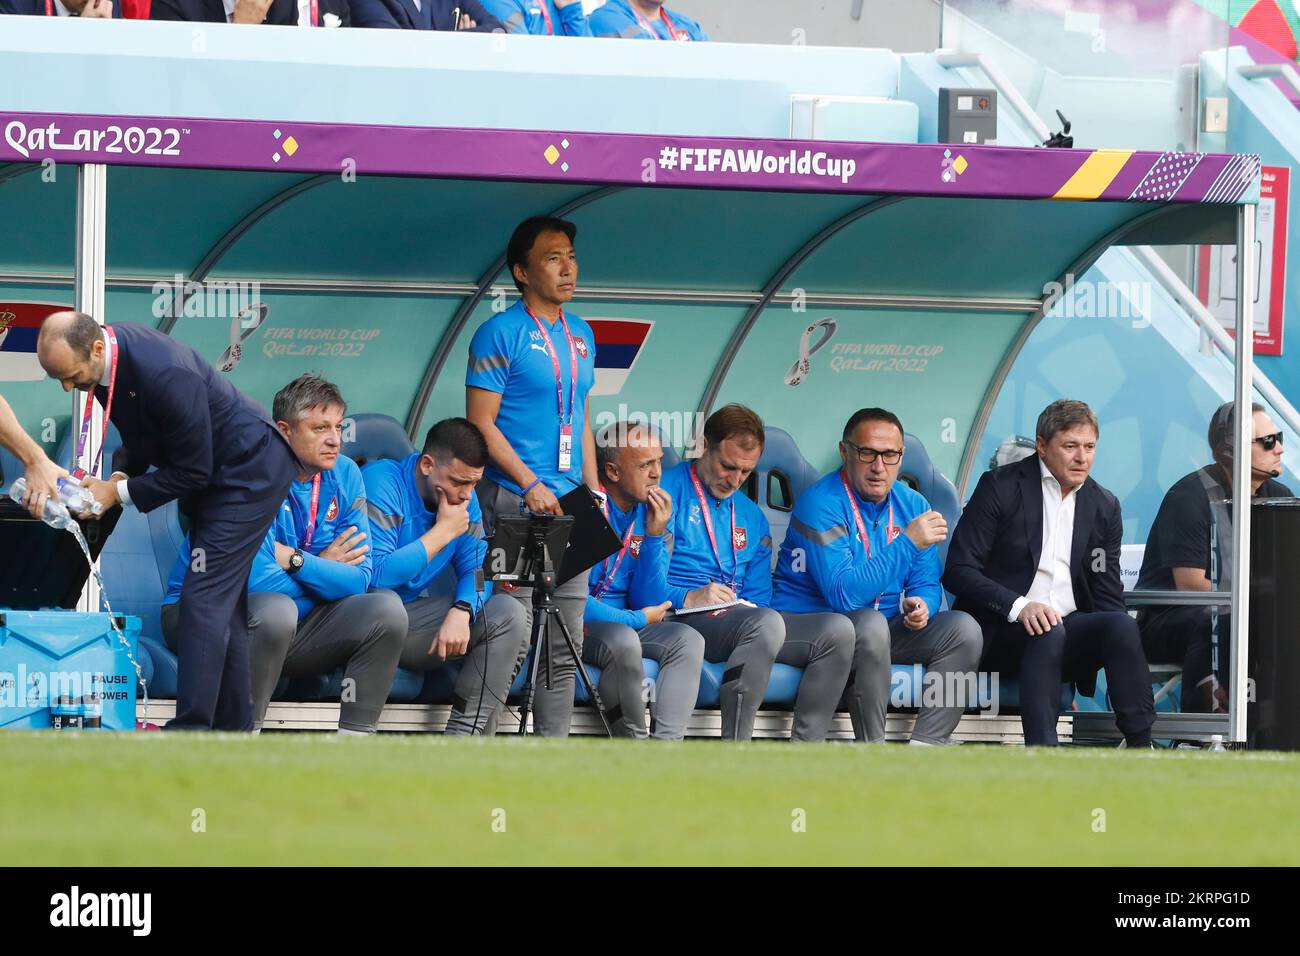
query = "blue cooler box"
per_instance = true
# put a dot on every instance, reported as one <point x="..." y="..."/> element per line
<point x="67" y="670"/>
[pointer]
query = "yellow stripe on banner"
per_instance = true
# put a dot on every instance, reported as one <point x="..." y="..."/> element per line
<point x="1097" y="172"/>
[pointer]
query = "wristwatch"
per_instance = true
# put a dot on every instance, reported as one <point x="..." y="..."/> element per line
<point x="464" y="606"/>
<point x="295" y="561"/>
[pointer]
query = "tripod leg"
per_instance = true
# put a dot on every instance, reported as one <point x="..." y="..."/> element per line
<point x="539" y="633"/>
<point x="582" y="670"/>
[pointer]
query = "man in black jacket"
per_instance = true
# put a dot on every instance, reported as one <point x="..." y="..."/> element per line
<point x="1035" y="560"/>
<point x="214" y="451"/>
<point x="288" y="13"/>
<point x="85" y="9"/>
<point x="464" y="15"/>
<point x="1190" y="549"/>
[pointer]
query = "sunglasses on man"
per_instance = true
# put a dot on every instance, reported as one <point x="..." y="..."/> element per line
<point x="1270" y="441"/>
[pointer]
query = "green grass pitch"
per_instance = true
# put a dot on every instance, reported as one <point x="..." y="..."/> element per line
<point x="106" y="799"/>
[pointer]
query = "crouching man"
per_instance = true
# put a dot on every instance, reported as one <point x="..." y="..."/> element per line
<point x="425" y="519"/>
<point x="309" y="612"/>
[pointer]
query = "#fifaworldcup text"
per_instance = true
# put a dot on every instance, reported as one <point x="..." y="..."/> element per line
<point x="795" y="162"/>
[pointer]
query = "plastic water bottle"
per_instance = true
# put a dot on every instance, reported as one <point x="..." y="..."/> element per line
<point x="72" y="497"/>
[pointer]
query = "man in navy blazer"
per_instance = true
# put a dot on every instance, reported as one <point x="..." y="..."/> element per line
<point x="424" y="15"/>
<point x="86" y="9"/>
<point x="329" y="13"/>
<point x="1035" y="560"/>
<point x="214" y="451"/>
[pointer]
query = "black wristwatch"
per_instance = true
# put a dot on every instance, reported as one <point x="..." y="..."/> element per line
<point x="296" y="561"/>
<point x="464" y="606"/>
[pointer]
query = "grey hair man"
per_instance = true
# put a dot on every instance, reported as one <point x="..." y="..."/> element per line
<point x="624" y="618"/>
<point x="1035" y="560"/>
<point x="309" y="612"/>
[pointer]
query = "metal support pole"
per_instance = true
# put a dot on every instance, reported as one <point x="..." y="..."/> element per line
<point x="88" y="279"/>
<point x="1242" y="444"/>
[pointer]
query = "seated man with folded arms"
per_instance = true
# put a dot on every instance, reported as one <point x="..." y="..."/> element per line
<point x="309" y="612"/>
<point x="722" y="551"/>
<point x="618" y="635"/>
<point x="644" y="20"/>
<point x="838" y="556"/>
<point x="1189" y="548"/>
<point x="541" y="17"/>
<point x="425" y="519"/>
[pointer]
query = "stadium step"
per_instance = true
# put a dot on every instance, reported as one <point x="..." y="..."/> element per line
<point x="432" y="718"/>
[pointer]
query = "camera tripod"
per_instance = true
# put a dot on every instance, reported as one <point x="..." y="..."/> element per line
<point x="546" y="612"/>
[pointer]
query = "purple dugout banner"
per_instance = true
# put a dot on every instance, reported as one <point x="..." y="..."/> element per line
<point x="632" y="159"/>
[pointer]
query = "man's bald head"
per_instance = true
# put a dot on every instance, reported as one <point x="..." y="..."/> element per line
<point x="70" y="347"/>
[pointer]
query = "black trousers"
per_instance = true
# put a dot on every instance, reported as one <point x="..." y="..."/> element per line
<point x="1185" y="634"/>
<point x="1081" y="644"/>
<point x="228" y="521"/>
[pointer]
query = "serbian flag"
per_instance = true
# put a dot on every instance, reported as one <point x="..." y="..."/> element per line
<point x="619" y="343"/>
<point x="19" y="324"/>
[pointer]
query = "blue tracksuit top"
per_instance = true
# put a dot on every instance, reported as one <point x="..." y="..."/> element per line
<point x="693" y="563"/>
<point x="823" y="563"/>
<point x="639" y="579"/>
<point x="616" y="19"/>
<point x="341" y="505"/>
<point x="508" y="355"/>
<point x="398" y="516"/>
<point x="525" y="16"/>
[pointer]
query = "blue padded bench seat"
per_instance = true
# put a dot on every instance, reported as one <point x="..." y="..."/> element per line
<point x="437" y="687"/>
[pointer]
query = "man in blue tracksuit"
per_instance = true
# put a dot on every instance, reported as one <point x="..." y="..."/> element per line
<point x="308" y="610"/>
<point x="426" y="525"/>
<point x="530" y="371"/>
<point x="625" y="616"/>
<point x="863" y="543"/>
<point x="541" y="17"/>
<point x="721" y="552"/>
<point x="644" y="20"/>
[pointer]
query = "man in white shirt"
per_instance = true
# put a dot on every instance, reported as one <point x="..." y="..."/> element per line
<point x="1035" y="560"/>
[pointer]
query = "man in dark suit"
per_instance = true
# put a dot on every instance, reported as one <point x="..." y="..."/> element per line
<point x="425" y="15"/>
<point x="1035" y="560"/>
<point x="320" y="13"/>
<point x="216" y="452"/>
<point x="85" y="9"/>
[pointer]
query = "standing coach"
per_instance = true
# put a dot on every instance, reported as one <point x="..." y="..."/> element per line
<point x="530" y="371"/>
<point x="217" y="454"/>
